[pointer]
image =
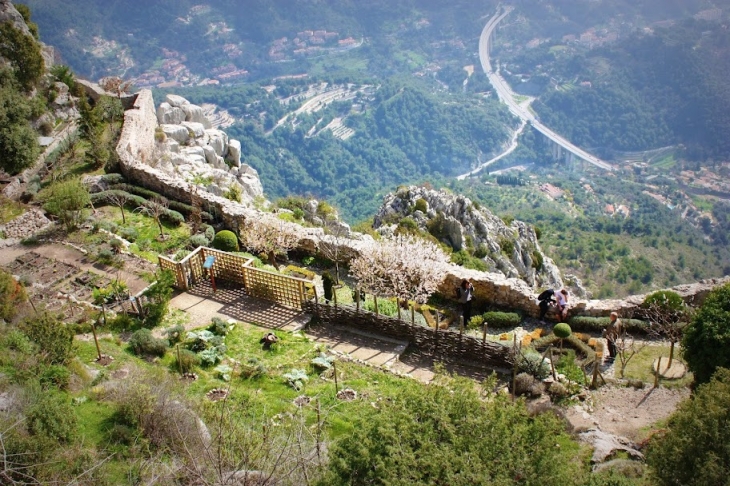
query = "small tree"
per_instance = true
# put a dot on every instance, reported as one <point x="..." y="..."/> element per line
<point x="626" y="348"/>
<point x="268" y="234"/>
<point x="54" y="339"/>
<point x="155" y="209"/>
<point x="331" y="245"/>
<point x="667" y="314"/>
<point x="119" y="199"/>
<point x="115" y="85"/>
<point x="67" y="200"/>
<point x="707" y="338"/>
<point x="692" y="449"/>
<point x="563" y="331"/>
<point x="407" y="267"/>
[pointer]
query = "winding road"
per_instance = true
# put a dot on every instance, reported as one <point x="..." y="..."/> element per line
<point x="505" y="94"/>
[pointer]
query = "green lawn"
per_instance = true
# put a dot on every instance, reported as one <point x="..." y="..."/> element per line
<point x="639" y="366"/>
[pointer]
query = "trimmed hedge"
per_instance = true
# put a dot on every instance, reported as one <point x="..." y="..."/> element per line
<point x="102" y="198"/>
<point x="598" y="324"/>
<point x="502" y="319"/>
<point x="113" y="178"/>
<point x="181" y="207"/>
<point x="225" y="241"/>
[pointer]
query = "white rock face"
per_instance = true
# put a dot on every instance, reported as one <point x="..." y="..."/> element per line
<point x="218" y="140"/>
<point x="200" y="154"/>
<point x="178" y="133"/>
<point x="176" y="101"/>
<point x="169" y="115"/>
<point x="194" y="113"/>
<point x="234" y="153"/>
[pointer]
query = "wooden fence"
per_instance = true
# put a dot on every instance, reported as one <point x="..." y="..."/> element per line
<point x="448" y="346"/>
<point x="263" y="284"/>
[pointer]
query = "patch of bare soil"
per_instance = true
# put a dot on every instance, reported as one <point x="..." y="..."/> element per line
<point x="626" y="411"/>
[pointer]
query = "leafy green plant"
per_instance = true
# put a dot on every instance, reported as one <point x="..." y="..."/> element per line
<point x="186" y="360"/>
<point x="219" y="327"/>
<point x="223" y="372"/>
<point x="225" y="240"/>
<point x="501" y="320"/>
<point x="212" y="355"/>
<point x="322" y="362"/>
<point x="175" y="333"/>
<point x="534" y="364"/>
<point x="142" y="342"/>
<point x="253" y="368"/>
<point x="296" y="378"/>
<point x="52" y="336"/>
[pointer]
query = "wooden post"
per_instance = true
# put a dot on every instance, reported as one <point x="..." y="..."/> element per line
<point x="334" y="367"/>
<point x="595" y="374"/>
<point x="514" y="368"/>
<point x="357" y="299"/>
<point x="375" y="300"/>
<point x="96" y="340"/>
<point x="484" y="335"/>
<point x="413" y="315"/>
<point x="461" y="326"/>
<point x="103" y="313"/>
<point x="658" y="369"/>
<point x="316" y="297"/>
<point x="397" y="305"/>
<point x="552" y="363"/>
<point x="179" y="363"/>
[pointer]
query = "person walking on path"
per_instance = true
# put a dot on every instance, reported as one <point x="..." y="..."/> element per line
<point x="612" y="333"/>
<point x="465" y="293"/>
<point x="563" y="304"/>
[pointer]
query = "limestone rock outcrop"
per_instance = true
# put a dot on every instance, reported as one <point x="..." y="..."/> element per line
<point x="201" y="154"/>
<point x="512" y="250"/>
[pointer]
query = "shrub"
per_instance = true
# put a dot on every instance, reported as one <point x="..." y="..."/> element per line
<point x="198" y="240"/>
<point x="130" y="234"/>
<point x="225" y="240"/>
<point x="707" y="338"/>
<point x="537" y="260"/>
<point x="507" y="246"/>
<point x="51" y="416"/>
<point x="562" y="330"/>
<point x="53" y="337"/>
<point x="302" y="272"/>
<point x="421" y="205"/>
<point x="597" y="324"/>
<point x="386" y="307"/>
<point x="219" y="327"/>
<point x="112" y="178"/>
<point x="533" y="364"/>
<point x="253" y="368"/>
<point x="143" y="342"/>
<point x="173" y="217"/>
<point x="526" y="384"/>
<point x="502" y="319"/>
<point x="186" y="360"/>
<point x="211" y="356"/>
<point x="558" y="390"/>
<point x="56" y="376"/>
<point x="481" y="251"/>
<point x="175" y="334"/>
<point x="208" y="231"/>
<point x="17" y="341"/>
<point x="11" y="295"/>
<point x="475" y="322"/>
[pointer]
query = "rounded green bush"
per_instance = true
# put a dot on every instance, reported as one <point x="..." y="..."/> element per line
<point x="225" y="241"/>
<point x="502" y="319"/>
<point x="562" y="330"/>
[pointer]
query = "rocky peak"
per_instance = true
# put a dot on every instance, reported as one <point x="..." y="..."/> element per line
<point x="200" y="154"/>
<point x="455" y="220"/>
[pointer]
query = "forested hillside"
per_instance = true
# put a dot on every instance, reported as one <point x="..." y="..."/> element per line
<point x="656" y="88"/>
<point x="404" y="132"/>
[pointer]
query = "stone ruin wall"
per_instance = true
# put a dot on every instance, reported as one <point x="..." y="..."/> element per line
<point x="136" y="148"/>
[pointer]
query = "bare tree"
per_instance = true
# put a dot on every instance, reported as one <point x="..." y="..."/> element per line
<point x="667" y="314"/>
<point x="116" y="85"/>
<point x="119" y="199"/>
<point x="269" y="235"/>
<point x="406" y="267"/>
<point x="331" y="245"/>
<point x="155" y="209"/>
<point x="626" y="348"/>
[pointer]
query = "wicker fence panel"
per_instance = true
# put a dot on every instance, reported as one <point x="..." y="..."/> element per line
<point x="446" y="345"/>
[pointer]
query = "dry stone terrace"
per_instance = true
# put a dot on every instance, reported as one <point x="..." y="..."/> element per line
<point x="136" y="150"/>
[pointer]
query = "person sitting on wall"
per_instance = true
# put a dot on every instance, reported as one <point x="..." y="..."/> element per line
<point x="563" y="304"/>
<point x="544" y="301"/>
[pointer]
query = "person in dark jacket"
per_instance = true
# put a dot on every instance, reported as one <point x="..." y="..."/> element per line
<point x="465" y="292"/>
<point x="545" y="300"/>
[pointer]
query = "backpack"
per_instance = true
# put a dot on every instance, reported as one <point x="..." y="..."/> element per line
<point x="546" y="295"/>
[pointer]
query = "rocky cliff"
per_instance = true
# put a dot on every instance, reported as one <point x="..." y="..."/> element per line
<point x="512" y="250"/>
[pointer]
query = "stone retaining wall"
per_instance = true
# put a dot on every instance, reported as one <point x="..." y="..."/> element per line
<point x="136" y="148"/>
